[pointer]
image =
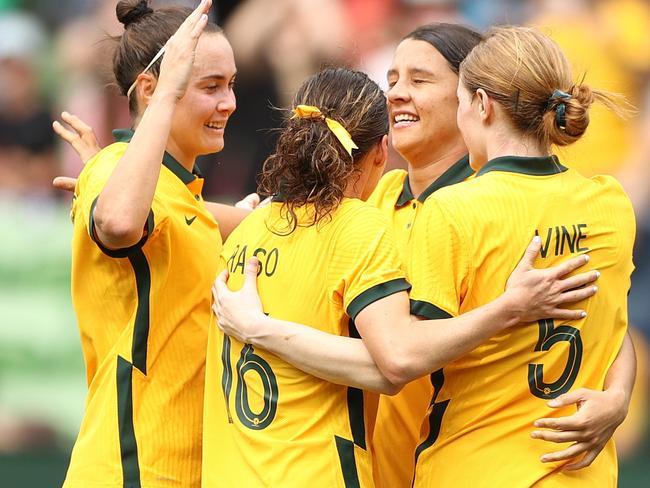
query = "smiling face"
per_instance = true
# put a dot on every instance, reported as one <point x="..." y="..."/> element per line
<point x="201" y="115"/>
<point x="422" y="102"/>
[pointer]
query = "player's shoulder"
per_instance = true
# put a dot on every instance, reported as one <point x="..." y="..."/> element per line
<point x="617" y="199"/>
<point x="389" y="187"/>
<point x="610" y="186"/>
<point x="460" y="194"/>
<point x="259" y="218"/>
<point x="605" y="188"/>
<point x="102" y="164"/>
<point x="392" y="178"/>
<point x="358" y="211"/>
<point x="358" y="221"/>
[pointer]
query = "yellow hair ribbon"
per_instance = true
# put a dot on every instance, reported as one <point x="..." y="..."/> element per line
<point x="311" y="112"/>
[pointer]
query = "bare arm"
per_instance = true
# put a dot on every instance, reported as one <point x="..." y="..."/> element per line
<point x="125" y="201"/>
<point x="338" y="359"/>
<point x="622" y="373"/>
<point x="83" y="140"/>
<point x="394" y="350"/>
<point x="598" y="415"/>
<point x="405" y="349"/>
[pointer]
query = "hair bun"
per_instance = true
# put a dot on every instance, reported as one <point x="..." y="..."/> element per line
<point x="129" y="12"/>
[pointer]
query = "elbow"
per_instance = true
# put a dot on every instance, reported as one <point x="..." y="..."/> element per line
<point x="391" y="389"/>
<point x="115" y="230"/>
<point x="398" y="370"/>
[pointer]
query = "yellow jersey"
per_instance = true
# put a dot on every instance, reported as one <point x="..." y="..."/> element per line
<point x="143" y="315"/>
<point x="477" y="432"/>
<point x="266" y="422"/>
<point x="399" y="417"/>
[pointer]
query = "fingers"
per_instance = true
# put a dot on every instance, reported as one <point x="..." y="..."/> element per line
<point x="566" y="314"/>
<point x="64" y="183"/>
<point x="65" y="134"/>
<point x="568" y="453"/>
<point x="249" y="202"/>
<point x="558" y="436"/>
<point x="76" y="123"/>
<point x="220" y="285"/>
<point x="254" y="199"/>
<point x="199" y="26"/>
<point x="569" y="423"/>
<point x="588" y="458"/>
<point x="570" y="265"/>
<point x="265" y="202"/>
<point x="577" y="295"/>
<point x="250" y="273"/>
<point x="570" y="398"/>
<point x="196" y="18"/>
<point x="530" y="254"/>
<point x="579" y="280"/>
<point x="81" y="138"/>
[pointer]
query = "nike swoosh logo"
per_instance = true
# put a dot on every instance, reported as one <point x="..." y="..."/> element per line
<point x="189" y="221"/>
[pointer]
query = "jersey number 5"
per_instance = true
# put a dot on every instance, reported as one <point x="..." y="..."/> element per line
<point x="549" y="336"/>
<point x="249" y="361"/>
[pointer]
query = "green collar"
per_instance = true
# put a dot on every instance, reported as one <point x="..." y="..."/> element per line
<point x="125" y="135"/>
<point x="536" y="165"/>
<point x="456" y="173"/>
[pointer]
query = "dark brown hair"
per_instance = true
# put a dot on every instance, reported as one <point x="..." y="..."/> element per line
<point x="309" y="164"/>
<point x="453" y="41"/>
<point x="529" y="76"/>
<point x="145" y="32"/>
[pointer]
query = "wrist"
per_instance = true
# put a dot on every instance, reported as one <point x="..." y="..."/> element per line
<point x="164" y="97"/>
<point x="619" y="397"/>
<point x="258" y="330"/>
<point x="511" y="310"/>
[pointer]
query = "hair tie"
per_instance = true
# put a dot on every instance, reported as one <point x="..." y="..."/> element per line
<point x="311" y="112"/>
<point x="560" y="108"/>
<point x="155" y="58"/>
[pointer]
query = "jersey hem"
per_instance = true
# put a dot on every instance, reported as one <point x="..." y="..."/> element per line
<point x="126" y="251"/>
<point x="375" y="293"/>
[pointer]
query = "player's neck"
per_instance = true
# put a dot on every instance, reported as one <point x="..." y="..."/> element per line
<point x="423" y="174"/>
<point x="514" y="146"/>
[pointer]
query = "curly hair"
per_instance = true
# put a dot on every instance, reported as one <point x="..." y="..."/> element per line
<point x="309" y="164"/>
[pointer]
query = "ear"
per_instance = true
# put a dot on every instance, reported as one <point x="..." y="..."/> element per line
<point x="485" y="104"/>
<point x="382" y="152"/>
<point x="146" y="85"/>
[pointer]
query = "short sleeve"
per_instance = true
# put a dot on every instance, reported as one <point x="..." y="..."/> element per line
<point x="91" y="183"/>
<point x="439" y="264"/>
<point x="365" y="264"/>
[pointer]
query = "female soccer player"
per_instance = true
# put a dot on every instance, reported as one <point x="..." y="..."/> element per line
<point x="446" y="38"/>
<point x="416" y="78"/>
<point x="145" y="252"/>
<point x="516" y="98"/>
<point x="422" y="104"/>
<point x="268" y="423"/>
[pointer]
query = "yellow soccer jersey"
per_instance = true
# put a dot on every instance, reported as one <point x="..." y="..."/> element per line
<point x="268" y="424"/>
<point x="400" y="416"/>
<point x="143" y="315"/>
<point x="477" y="432"/>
